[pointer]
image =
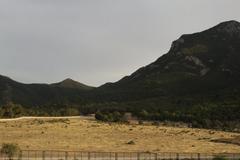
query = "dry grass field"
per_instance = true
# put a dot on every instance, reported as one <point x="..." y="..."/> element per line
<point x="90" y="135"/>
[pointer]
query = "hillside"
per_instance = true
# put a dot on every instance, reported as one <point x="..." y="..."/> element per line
<point x="197" y="82"/>
<point x="66" y="92"/>
<point x="199" y="63"/>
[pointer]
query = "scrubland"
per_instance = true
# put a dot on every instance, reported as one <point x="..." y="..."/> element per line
<point x="90" y="135"/>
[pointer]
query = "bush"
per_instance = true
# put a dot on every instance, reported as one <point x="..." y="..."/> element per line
<point x="99" y="116"/>
<point x="117" y="117"/>
<point x="219" y="158"/>
<point x="70" y="112"/>
<point x="10" y="149"/>
<point x="140" y="122"/>
<point x="110" y="117"/>
<point x="131" y="142"/>
<point x="156" y="123"/>
<point x="11" y="110"/>
<point x="144" y="114"/>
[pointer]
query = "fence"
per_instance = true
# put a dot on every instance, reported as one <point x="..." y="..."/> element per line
<point x="75" y="155"/>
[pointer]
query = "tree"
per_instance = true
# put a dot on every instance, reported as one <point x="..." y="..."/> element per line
<point x="8" y="110"/>
<point x="144" y="114"/>
<point x="11" y="110"/>
<point x="10" y="150"/>
<point x="100" y="116"/>
<point x="18" y="110"/>
<point x="117" y="117"/>
<point x="72" y="112"/>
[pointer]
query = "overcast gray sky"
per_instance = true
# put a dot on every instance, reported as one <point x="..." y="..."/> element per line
<point x="97" y="41"/>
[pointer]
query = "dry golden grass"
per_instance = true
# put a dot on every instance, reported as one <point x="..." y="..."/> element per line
<point x="90" y="135"/>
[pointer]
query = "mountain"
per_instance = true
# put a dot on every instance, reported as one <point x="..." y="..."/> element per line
<point x="201" y="64"/>
<point x="196" y="82"/>
<point x="69" y="83"/>
<point x="65" y="92"/>
<point x="199" y="68"/>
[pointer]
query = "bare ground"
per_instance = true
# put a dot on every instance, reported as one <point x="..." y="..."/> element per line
<point x="81" y="134"/>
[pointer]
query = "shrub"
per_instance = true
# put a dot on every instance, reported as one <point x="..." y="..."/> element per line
<point x="11" y="110"/>
<point x="156" y="123"/>
<point x="131" y="142"/>
<point x="99" y="116"/>
<point x="140" y="122"/>
<point x="72" y="112"/>
<point x="219" y="158"/>
<point x="116" y="116"/>
<point x="144" y="114"/>
<point x="10" y="149"/>
<point x="110" y="117"/>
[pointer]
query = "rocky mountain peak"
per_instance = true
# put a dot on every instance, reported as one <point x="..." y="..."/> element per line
<point x="230" y="27"/>
<point x="223" y="31"/>
<point x="213" y="51"/>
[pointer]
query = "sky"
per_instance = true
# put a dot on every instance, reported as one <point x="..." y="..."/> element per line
<point x="97" y="41"/>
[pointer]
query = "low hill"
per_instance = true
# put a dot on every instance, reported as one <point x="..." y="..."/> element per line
<point x="66" y="92"/>
<point x="69" y="83"/>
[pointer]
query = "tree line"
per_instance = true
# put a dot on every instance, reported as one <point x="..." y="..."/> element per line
<point x="208" y="115"/>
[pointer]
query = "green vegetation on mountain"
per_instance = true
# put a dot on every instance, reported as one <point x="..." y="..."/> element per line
<point x="31" y="95"/>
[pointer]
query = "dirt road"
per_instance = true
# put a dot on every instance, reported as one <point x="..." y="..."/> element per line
<point x="64" y="117"/>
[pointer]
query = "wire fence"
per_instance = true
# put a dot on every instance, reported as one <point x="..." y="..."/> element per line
<point x="76" y="155"/>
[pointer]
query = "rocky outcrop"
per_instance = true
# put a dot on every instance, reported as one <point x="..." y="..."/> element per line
<point x="231" y="28"/>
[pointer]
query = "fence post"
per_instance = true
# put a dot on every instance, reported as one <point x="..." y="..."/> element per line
<point x="116" y="156"/>
<point x="66" y="155"/>
<point x="199" y="156"/>
<point x="28" y="155"/>
<point x="43" y="155"/>
<point x="138" y="156"/>
<point x="177" y="156"/>
<point x="75" y="156"/>
<point x="89" y="156"/>
<point x="156" y="156"/>
<point x="20" y="155"/>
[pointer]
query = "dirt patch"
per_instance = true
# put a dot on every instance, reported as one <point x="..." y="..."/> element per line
<point x="234" y="140"/>
<point x="90" y="135"/>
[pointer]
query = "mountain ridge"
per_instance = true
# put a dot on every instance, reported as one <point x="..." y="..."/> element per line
<point x="196" y="82"/>
<point x="192" y="65"/>
<point x="198" y="59"/>
<point x="36" y="94"/>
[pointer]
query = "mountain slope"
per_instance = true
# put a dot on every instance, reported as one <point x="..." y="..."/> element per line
<point x="196" y="82"/>
<point x="40" y="94"/>
<point x="199" y="67"/>
<point x="200" y="63"/>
